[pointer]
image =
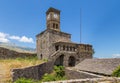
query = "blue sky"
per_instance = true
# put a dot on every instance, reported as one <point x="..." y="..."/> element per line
<point x="21" y="20"/>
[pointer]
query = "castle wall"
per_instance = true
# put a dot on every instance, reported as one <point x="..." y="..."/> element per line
<point x="10" y="54"/>
<point x="33" y="72"/>
<point x="75" y="74"/>
<point x="85" y="51"/>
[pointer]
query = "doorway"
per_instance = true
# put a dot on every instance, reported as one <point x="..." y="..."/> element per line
<point x="59" y="61"/>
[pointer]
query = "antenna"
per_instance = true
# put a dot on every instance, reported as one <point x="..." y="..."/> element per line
<point x="80" y="25"/>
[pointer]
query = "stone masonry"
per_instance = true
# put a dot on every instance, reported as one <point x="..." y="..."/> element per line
<point x="55" y="45"/>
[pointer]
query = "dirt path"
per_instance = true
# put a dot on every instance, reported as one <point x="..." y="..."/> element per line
<point x="2" y="73"/>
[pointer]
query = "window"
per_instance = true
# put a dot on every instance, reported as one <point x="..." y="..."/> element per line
<point x="48" y="26"/>
<point x="56" y="48"/>
<point x="53" y="25"/>
<point x="56" y="26"/>
<point x="63" y="47"/>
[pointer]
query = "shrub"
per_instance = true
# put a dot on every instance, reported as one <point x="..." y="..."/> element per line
<point x="23" y="80"/>
<point x="59" y="71"/>
<point x="58" y="74"/>
<point x="48" y="77"/>
<point x="116" y="72"/>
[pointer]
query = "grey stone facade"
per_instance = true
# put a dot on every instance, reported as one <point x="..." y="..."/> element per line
<point x="54" y="45"/>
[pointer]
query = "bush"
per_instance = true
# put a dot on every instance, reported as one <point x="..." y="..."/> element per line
<point x="48" y="77"/>
<point x="23" y="80"/>
<point x="59" y="71"/>
<point x="58" y="74"/>
<point x="116" y="72"/>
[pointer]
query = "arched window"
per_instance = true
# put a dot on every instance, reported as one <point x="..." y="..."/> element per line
<point x="57" y="48"/>
<point x="53" y="25"/>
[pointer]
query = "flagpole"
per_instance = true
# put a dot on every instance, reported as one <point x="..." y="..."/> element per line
<point x="80" y="25"/>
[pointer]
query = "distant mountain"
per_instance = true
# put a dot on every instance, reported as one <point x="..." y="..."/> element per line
<point x="17" y="48"/>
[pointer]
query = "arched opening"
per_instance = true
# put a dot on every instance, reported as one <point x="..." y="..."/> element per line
<point x="72" y="61"/>
<point x="59" y="60"/>
<point x="53" y="25"/>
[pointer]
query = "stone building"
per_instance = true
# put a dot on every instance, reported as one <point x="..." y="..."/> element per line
<point x="55" y="45"/>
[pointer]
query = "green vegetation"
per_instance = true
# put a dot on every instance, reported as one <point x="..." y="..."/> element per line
<point x="58" y="74"/>
<point x="23" y="80"/>
<point x="116" y="72"/>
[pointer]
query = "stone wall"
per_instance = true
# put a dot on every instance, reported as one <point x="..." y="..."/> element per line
<point x="93" y="80"/>
<point x="42" y="44"/>
<point x="46" y="39"/>
<point x="75" y="74"/>
<point x="7" y="54"/>
<point x="33" y="72"/>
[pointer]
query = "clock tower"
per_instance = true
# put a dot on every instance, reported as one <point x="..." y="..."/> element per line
<point x="53" y="19"/>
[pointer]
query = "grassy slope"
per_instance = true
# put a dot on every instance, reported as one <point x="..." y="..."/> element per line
<point x="9" y="64"/>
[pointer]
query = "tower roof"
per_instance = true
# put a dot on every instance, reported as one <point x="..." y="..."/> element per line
<point x="51" y="9"/>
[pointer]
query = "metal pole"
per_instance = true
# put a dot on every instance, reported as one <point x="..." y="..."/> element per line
<point x="80" y="25"/>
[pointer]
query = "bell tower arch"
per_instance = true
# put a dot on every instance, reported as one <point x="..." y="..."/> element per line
<point x="53" y="19"/>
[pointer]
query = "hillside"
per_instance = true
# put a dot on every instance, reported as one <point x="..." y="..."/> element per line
<point x="17" y="48"/>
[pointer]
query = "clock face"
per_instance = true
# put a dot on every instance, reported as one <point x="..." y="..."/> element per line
<point x="48" y="17"/>
<point x="55" y="16"/>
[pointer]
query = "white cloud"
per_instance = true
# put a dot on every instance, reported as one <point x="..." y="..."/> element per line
<point x="3" y="37"/>
<point x="22" y="39"/>
<point x="14" y="37"/>
<point x="26" y="39"/>
<point x="6" y="38"/>
<point x="116" y="55"/>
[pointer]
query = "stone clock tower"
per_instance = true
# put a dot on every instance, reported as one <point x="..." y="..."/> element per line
<point x="53" y="19"/>
<point x="46" y="39"/>
<point x="55" y="45"/>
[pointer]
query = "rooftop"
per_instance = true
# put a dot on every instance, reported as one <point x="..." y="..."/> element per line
<point x="99" y="66"/>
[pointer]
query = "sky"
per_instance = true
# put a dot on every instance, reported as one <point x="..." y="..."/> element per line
<point x="22" y="20"/>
